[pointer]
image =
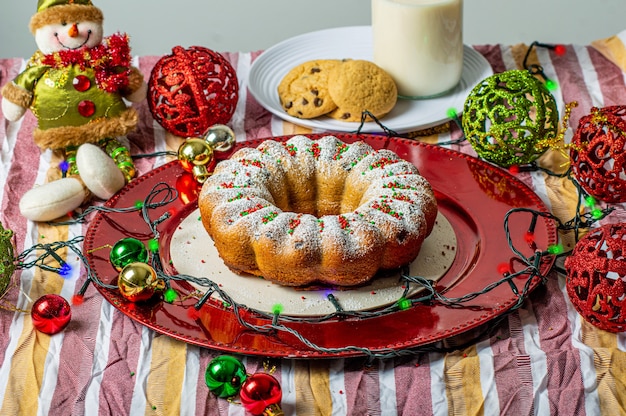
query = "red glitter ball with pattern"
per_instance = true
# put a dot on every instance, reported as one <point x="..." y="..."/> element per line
<point x="191" y="90"/>
<point x="598" y="153"/>
<point x="596" y="277"/>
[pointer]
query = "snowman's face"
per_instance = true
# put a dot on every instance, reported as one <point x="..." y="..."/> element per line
<point x="67" y="36"/>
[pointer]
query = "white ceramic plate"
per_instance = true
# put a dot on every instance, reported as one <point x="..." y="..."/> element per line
<point x="355" y="42"/>
<point x="193" y="253"/>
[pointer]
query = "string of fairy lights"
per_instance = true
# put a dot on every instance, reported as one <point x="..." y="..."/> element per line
<point x="163" y="194"/>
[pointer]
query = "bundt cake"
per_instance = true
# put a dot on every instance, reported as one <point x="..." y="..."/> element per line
<point x="316" y="211"/>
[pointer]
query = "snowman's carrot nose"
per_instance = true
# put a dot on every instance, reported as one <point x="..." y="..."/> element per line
<point x="73" y="31"/>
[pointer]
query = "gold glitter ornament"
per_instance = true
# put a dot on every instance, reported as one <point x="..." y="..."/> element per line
<point x="510" y="118"/>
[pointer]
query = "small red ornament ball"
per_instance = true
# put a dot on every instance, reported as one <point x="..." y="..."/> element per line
<point x="261" y="394"/>
<point x="51" y="314"/>
<point x="597" y="153"/>
<point x="191" y="90"/>
<point x="595" y="281"/>
<point x="188" y="188"/>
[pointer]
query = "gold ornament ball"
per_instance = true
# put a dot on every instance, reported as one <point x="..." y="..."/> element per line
<point x="138" y="282"/>
<point x="220" y="137"/>
<point x="194" y="152"/>
<point x="200" y="173"/>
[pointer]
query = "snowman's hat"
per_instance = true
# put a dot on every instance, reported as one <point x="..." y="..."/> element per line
<point x="59" y="11"/>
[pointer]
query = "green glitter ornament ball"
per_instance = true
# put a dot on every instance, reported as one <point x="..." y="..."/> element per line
<point x="509" y="118"/>
<point x="7" y="259"/>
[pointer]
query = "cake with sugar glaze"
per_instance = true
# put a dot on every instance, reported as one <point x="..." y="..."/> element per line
<point x="305" y="211"/>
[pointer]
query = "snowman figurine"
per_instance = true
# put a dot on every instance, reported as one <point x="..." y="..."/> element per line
<point x="76" y="84"/>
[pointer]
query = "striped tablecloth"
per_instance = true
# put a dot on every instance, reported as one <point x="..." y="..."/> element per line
<point x="543" y="359"/>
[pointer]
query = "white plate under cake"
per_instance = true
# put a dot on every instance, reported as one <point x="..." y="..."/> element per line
<point x="309" y="213"/>
<point x="193" y="253"/>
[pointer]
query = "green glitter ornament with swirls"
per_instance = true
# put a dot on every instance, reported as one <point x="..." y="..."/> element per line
<point x="509" y="118"/>
<point x="7" y="259"/>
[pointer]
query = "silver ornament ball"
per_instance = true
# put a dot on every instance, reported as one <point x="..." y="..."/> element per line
<point x="220" y="137"/>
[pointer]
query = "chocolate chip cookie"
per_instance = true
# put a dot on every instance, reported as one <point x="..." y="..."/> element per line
<point x="359" y="85"/>
<point x="303" y="91"/>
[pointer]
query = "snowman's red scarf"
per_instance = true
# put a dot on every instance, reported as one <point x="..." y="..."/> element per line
<point x="110" y="61"/>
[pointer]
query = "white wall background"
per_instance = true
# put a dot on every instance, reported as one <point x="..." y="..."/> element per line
<point x="155" y="26"/>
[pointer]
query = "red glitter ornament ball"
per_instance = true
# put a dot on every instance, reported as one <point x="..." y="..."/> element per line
<point x="191" y="90"/>
<point x="51" y="313"/>
<point x="597" y="155"/>
<point x="596" y="273"/>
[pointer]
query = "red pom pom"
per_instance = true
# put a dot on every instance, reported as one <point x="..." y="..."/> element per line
<point x="597" y="153"/>
<point x="191" y="90"/>
<point x="595" y="277"/>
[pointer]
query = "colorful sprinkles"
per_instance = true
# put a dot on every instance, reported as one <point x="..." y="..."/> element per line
<point x="321" y="225"/>
<point x="236" y="197"/>
<point x="382" y="162"/>
<point x="384" y="207"/>
<point x="269" y="218"/>
<point x="251" y="210"/>
<point x="293" y="224"/>
<point x="315" y="150"/>
<point x="398" y="185"/>
<point x="251" y="162"/>
<point x="341" y="149"/>
<point x="231" y="185"/>
<point x="345" y="224"/>
<point x="401" y="197"/>
<point x="291" y="148"/>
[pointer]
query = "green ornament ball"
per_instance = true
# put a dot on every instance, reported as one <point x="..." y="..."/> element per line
<point x="126" y="251"/>
<point x="509" y="118"/>
<point x="224" y="376"/>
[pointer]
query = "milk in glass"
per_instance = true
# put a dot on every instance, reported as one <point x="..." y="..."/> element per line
<point x="420" y="44"/>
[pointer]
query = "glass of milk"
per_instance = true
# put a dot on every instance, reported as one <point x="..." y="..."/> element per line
<point x="420" y="44"/>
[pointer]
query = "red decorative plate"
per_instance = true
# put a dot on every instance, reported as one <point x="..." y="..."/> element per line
<point x="473" y="195"/>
